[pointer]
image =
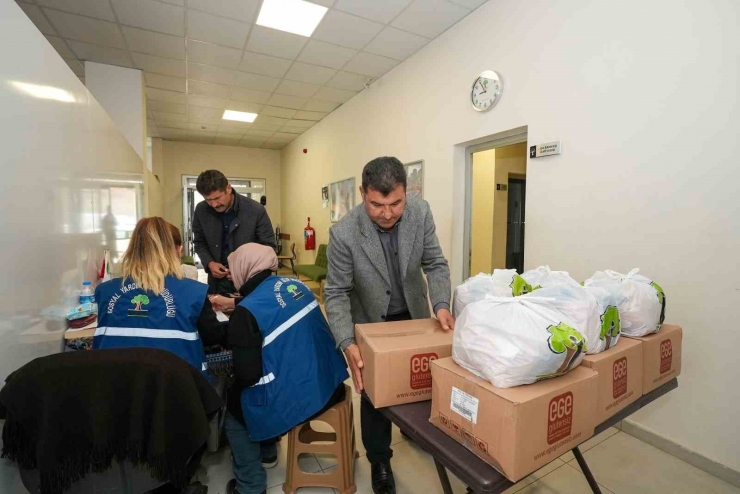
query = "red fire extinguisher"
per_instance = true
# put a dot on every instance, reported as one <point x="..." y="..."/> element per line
<point x="309" y="237"/>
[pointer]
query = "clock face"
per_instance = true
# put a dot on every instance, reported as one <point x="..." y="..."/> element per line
<point x="486" y="91"/>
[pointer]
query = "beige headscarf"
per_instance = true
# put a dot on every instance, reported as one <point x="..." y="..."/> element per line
<point x="250" y="259"/>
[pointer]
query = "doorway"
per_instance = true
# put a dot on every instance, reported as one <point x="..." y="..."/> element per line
<point x="496" y="205"/>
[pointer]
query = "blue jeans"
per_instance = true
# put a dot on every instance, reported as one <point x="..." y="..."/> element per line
<point x="246" y="458"/>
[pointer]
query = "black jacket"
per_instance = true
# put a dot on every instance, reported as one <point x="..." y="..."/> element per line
<point x="252" y="224"/>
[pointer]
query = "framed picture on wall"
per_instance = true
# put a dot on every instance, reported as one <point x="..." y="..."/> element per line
<point x="342" y="198"/>
<point x="415" y="179"/>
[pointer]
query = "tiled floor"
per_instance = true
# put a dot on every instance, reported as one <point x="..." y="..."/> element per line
<point x="620" y="463"/>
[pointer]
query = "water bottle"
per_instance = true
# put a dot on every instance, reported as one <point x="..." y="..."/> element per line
<point x="87" y="296"/>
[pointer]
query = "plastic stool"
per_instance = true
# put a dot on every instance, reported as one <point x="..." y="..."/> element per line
<point x="342" y="446"/>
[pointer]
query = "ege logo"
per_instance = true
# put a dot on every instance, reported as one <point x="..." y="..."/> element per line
<point x="559" y="417"/>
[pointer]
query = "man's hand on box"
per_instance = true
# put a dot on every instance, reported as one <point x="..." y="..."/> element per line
<point x="354" y="359"/>
<point x="446" y="319"/>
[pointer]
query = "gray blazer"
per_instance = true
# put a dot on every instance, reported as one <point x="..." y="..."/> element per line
<point x="358" y="287"/>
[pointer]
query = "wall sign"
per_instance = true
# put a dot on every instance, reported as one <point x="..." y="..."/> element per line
<point x="546" y="149"/>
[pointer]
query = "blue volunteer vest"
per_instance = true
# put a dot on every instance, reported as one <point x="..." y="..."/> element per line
<point x="130" y="317"/>
<point x="301" y="364"/>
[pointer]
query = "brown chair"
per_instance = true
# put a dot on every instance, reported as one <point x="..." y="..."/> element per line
<point x="290" y="258"/>
<point x="303" y="438"/>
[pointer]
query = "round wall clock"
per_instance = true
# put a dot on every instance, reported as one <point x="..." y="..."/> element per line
<point x="486" y="91"/>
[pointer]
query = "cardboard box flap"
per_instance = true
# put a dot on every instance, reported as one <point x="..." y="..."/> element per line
<point x="623" y="344"/>
<point x="519" y="394"/>
<point x="404" y="335"/>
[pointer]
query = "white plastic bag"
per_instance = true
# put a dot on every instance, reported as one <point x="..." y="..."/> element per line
<point x="476" y="289"/>
<point x="544" y="277"/>
<point x="642" y="307"/>
<point x="502" y="283"/>
<point x="516" y="340"/>
<point x="582" y="309"/>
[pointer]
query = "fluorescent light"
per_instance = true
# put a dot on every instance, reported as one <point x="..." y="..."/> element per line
<point x="293" y="16"/>
<point x="239" y="116"/>
<point x="44" y="92"/>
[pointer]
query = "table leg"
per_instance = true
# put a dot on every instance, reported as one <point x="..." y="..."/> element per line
<point x="443" y="478"/>
<point x="586" y="471"/>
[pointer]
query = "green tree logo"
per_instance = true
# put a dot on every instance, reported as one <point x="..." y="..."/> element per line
<point x="611" y="325"/>
<point x="140" y="300"/>
<point x="293" y="290"/>
<point x="564" y="339"/>
<point x="519" y="286"/>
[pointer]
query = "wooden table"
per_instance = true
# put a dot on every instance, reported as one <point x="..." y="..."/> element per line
<point x="479" y="476"/>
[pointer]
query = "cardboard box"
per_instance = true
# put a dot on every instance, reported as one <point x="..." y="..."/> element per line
<point x="397" y="357"/>
<point x="620" y="377"/>
<point x="517" y="430"/>
<point x="661" y="354"/>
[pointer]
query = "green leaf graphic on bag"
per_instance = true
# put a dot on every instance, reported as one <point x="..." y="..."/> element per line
<point x="564" y="339"/>
<point x="611" y="325"/>
<point x="661" y="299"/>
<point x="519" y="286"/>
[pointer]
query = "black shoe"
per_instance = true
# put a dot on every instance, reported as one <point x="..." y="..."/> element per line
<point x="231" y="487"/>
<point x="270" y="462"/>
<point x="382" y="478"/>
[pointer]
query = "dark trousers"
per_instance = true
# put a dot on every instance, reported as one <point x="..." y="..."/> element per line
<point x="376" y="428"/>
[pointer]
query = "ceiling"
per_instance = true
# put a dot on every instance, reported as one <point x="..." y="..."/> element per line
<point x="200" y="57"/>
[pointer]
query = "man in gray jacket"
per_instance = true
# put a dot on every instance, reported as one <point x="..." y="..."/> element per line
<point x="224" y="222"/>
<point x="377" y="255"/>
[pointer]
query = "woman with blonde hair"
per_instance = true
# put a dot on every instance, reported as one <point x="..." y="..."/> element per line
<point x="153" y="305"/>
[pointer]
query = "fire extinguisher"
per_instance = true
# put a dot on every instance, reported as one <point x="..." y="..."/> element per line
<point x="309" y="237"/>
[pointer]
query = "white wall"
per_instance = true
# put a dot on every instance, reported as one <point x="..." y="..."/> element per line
<point x="121" y="92"/>
<point x="55" y="158"/>
<point x="644" y="97"/>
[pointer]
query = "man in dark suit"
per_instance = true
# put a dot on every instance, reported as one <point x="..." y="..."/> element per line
<point x="377" y="257"/>
<point x="224" y="222"/>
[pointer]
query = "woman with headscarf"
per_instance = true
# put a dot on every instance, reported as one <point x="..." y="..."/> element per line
<point x="287" y="367"/>
<point x="153" y="305"/>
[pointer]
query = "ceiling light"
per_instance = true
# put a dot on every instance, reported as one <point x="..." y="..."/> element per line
<point x="293" y="16"/>
<point x="239" y="116"/>
<point x="44" y="92"/>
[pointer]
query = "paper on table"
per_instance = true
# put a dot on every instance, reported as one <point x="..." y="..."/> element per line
<point x="221" y="316"/>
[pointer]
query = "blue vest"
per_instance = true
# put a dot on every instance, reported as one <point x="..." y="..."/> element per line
<point x="130" y="317"/>
<point x="300" y="362"/>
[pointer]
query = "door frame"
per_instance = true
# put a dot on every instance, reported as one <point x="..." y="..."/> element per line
<point x="507" y="138"/>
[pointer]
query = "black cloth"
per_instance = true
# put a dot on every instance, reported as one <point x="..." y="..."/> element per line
<point x="376" y="428"/>
<point x="252" y="224"/>
<point x="73" y="413"/>
<point x="210" y="329"/>
<point x="389" y="241"/>
<point x="227" y="217"/>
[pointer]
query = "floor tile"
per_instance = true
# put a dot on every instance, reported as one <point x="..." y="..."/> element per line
<point x="627" y="465"/>
<point x="413" y="469"/>
<point x="598" y="439"/>
<point x="533" y="477"/>
<point x="563" y="480"/>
